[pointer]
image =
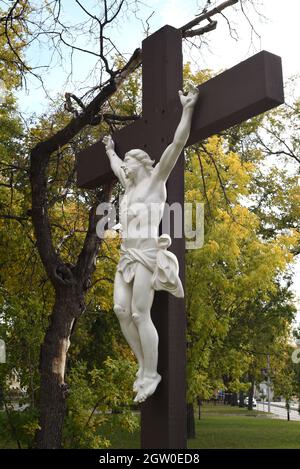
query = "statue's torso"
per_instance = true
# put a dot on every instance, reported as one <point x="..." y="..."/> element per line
<point x="141" y="211"/>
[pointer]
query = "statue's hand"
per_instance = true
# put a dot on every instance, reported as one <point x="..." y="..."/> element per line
<point x="190" y="99"/>
<point x="108" y="142"/>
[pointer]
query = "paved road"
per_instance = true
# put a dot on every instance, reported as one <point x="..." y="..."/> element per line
<point x="279" y="410"/>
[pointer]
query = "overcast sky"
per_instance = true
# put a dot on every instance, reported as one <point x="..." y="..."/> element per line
<point x="279" y="33"/>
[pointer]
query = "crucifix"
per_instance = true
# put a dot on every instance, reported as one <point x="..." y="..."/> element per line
<point x="248" y="89"/>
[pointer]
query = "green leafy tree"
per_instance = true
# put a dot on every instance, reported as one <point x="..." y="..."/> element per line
<point x="233" y="278"/>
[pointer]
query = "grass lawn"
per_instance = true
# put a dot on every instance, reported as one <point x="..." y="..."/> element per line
<point x="231" y="428"/>
<point x="220" y="427"/>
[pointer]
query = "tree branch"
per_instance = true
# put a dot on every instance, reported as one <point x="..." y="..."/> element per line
<point x="198" y="32"/>
<point x="203" y="182"/>
<point x="13" y="217"/>
<point x="86" y="259"/>
<point x="228" y="202"/>
<point x="39" y="160"/>
<point x="206" y="15"/>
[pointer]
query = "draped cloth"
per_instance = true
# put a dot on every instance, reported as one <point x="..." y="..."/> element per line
<point x="162" y="263"/>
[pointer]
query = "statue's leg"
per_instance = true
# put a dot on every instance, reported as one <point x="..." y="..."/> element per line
<point x="142" y="299"/>
<point x="122" y="308"/>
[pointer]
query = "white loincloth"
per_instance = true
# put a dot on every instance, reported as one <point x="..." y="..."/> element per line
<point x="162" y="263"/>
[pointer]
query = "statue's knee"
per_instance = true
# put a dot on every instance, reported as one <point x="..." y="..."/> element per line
<point x="120" y="312"/>
<point x="136" y="319"/>
<point x="138" y="316"/>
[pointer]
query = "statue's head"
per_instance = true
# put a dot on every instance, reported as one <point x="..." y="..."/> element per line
<point x="134" y="160"/>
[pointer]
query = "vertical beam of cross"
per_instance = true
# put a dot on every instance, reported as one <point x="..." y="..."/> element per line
<point x="164" y="414"/>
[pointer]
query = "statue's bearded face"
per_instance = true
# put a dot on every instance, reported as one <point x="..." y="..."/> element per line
<point x="132" y="164"/>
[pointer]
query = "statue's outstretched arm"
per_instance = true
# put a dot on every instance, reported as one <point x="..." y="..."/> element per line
<point x="115" y="162"/>
<point x="172" y="152"/>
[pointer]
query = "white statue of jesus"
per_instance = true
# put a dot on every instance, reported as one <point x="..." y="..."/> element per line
<point x="145" y="264"/>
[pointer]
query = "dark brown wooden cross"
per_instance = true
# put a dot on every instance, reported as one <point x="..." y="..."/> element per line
<point x="250" y="88"/>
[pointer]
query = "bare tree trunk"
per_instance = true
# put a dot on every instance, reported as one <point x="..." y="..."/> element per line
<point x="68" y="306"/>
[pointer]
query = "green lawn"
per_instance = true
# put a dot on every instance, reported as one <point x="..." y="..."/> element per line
<point x="220" y="427"/>
<point x="231" y="428"/>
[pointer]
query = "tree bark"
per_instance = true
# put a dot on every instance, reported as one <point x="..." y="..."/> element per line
<point x="53" y="392"/>
<point x="288" y="410"/>
<point x="191" y="430"/>
<point x="234" y="399"/>
<point x="199" y="401"/>
<point x="241" y="399"/>
<point x="251" y="393"/>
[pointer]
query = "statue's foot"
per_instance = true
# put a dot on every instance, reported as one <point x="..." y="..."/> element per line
<point x="139" y="381"/>
<point x="147" y="388"/>
<point x="137" y="385"/>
